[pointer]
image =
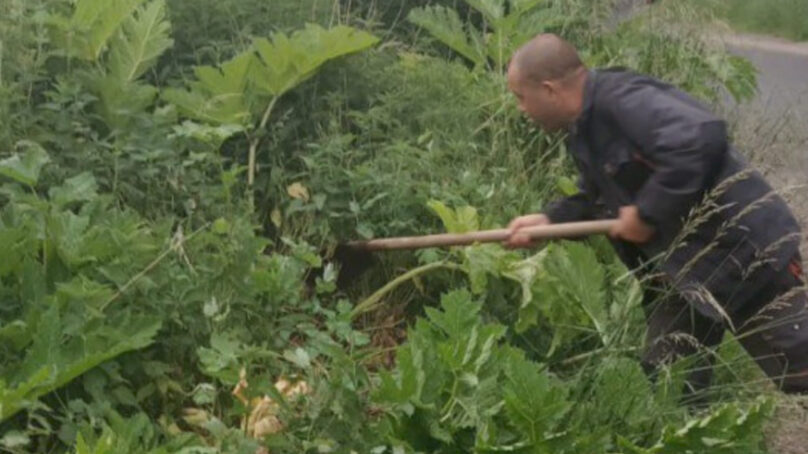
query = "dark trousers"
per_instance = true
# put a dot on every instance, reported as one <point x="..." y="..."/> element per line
<point x="773" y="329"/>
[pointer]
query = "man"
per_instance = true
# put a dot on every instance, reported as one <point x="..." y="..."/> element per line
<point x="719" y="247"/>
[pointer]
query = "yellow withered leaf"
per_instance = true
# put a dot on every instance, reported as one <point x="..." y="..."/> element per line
<point x="195" y="416"/>
<point x="298" y="191"/>
<point x="263" y="419"/>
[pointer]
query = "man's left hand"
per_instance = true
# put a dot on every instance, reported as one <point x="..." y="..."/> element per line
<point x="630" y="227"/>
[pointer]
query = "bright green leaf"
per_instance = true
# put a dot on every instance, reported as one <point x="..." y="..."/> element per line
<point x="25" y="168"/>
<point x="287" y="61"/>
<point x="445" y="24"/>
<point x="144" y="37"/>
<point x="298" y="357"/>
<point x="79" y="188"/>
<point x="14" y="440"/>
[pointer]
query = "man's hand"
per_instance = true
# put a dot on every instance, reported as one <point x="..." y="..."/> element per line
<point x="517" y="240"/>
<point x="630" y="227"/>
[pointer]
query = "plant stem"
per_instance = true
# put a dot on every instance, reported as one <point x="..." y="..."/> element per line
<point x="373" y="300"/>
<point x="151" y="266"/>
<point x="256" y="141"/>
<point x="591" y="353"/>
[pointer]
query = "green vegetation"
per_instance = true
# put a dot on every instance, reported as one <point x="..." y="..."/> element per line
<point x="784" y="18"/>
<point x="175" y="176"/>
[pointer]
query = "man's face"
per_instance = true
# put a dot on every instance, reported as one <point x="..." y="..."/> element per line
<point x="541" y="102"/>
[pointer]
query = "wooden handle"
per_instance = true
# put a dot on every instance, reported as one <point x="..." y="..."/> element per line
<point x="542" y="232"/>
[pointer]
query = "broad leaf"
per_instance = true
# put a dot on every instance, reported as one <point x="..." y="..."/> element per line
<point x="222" y="359"/>
<point x="25" y="168"/>
<point x="79" y="188"/>
<point x="504" y="34"/>
<point x="492" y="10"/>
<point x="118" y="99"/>
<point x="580" y="279"/>
<point x="65" y="358"/>
<point x="534" y="402"/>
<point x="444" y="24"/>
<point x="460" y="220"/>
<point x="285" y="62"/>
<point x="143" y="38"/>
<point x="271" y="67"/>
<point x="458" y="315"/>
<point x="567" y="288"/>
<point x="219" y="94"/>
<point x="86" y="33"/>
<point x="729" y="428"/>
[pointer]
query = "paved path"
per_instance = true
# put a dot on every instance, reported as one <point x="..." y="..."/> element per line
<point x="783" y="74"/>
<point x="776" y="121"/>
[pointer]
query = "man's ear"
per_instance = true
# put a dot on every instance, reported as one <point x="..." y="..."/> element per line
<point x="550" y="87"/>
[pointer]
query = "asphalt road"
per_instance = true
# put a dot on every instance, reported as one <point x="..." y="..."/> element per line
<point x="782" y="77"/>
<point x="782" y="100"/>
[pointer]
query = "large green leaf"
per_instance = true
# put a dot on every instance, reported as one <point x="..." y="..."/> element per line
<point x="447" y="375"/>
<point x="404" y="387"/>
<point x="457" y="316"/>
<point x="79" y="188"/>
<point x="492" y="10"/>
<point x="580" y="278"/>
<point x="219" y="94"/>
<point x="286" y="62"/>
<point x="105" y="24"/>
<point x="54" y="359"/>
<point x="504" y="32"/>
<point x="445" y="24"/>
<point x="143" y="38"/>
<point x="87" y="32"/>
<point x="118" y="99"/>
<point x="534" y="401"/>
<point x="222" y="359"/>
<point x="460" y="220"/>
<point x="66" y="231"/>
<point x="566" y="284"/>
<point x="271" y="68"/>
<point x="14" y="399"/>
<point x="25" y="168"/>
<point x="729" y="428"/>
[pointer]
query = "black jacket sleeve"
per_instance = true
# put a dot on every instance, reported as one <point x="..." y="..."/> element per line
<point x="578" y="207"/>
<point x="683" y="141"/>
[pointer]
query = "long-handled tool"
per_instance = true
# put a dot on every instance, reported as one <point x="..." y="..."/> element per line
<point x="356" y="256"/>
<point x="544" y="232"/>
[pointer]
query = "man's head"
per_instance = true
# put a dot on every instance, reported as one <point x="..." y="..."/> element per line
<point x="547" y="77"/>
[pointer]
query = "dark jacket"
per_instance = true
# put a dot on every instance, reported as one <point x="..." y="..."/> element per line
<point x="720" y="227"/>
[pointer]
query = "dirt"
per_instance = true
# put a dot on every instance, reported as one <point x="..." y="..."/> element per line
<point x="788" y="432"/>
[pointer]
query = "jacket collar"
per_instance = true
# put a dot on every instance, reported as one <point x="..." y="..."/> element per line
<point x="586" y="110"/>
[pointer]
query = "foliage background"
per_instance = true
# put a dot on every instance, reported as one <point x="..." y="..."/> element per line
<point x="154" y="300"/>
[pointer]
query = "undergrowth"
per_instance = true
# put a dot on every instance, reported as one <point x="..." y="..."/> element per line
<point x="175" y="179"/>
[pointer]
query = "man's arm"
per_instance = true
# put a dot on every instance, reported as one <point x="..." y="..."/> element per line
<point x="578" y="207"/>
<point x="684" y="142"/>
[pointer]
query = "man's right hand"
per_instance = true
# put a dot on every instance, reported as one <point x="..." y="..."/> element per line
<point x="522" y="240"/>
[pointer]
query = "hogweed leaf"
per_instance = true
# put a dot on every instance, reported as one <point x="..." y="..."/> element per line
<point x="25" y="168"/>
<point x="445" y="25"/>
